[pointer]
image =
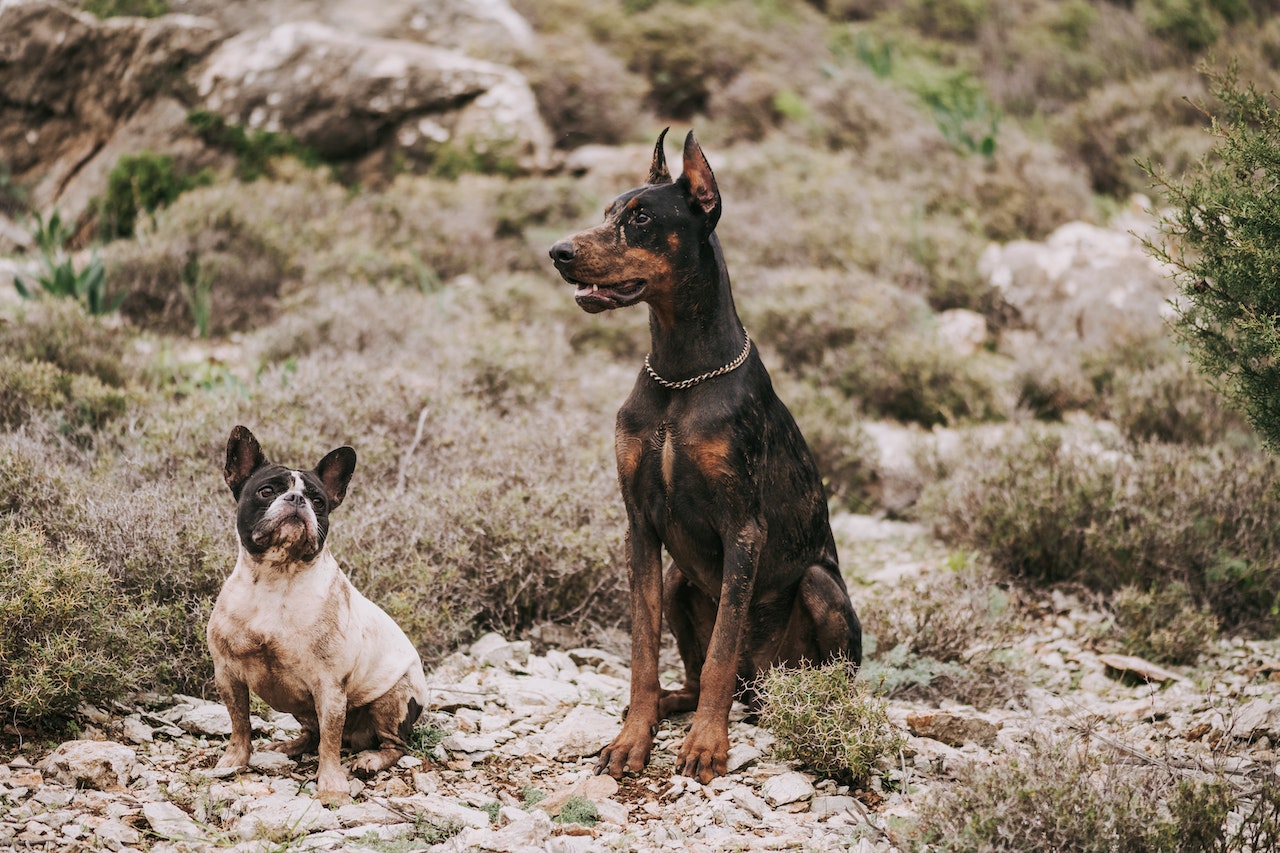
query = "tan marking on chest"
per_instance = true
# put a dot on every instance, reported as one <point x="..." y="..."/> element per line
<point x="711" y="456"/>
<point x="628" y="449"/>
<point x="668" y="462"/>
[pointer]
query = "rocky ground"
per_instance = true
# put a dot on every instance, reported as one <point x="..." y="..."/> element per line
<point x="506" y="764"/>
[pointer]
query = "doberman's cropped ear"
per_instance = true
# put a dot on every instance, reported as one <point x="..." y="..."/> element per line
<point x="335" y="471"/>
<point x="699" y="183"/>
<point x="244" y="456"/>
<point x="658" y="172"/>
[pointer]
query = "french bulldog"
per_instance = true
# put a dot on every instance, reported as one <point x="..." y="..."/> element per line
<point x="290" y="626"/>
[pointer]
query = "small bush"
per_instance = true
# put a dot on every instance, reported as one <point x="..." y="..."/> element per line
<point x="1164" y="624"/>
<point x="1050" y="512"/>
<point x="62" y="334"/>
<point x="80" y="404"/>
<point x="1220" y="240"/>
<point x="579" y="810"/>
<point x="65" y="636"/>
<point x="254" y="151"/>
<point x="1059" y="796"/>
<point x="142" y="184"/>
<point x="126" y="8"/>
<point x="945" y="615"/>
<point x="826" y="718"/>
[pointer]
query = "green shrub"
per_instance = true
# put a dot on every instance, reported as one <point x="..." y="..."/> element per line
<point x="945" y="615"/>
<point x="1220" y="240"/>
<point x="958" y="20"/>
<point x="1164" y="624"/>
<point x="579" y="810"/>
<point x="65" y="636"/>
<point x="1050" y="512"/>
<point x="60" y="279"/>
<point x="826" y="718"/>
<point x="254" y="151"/>
<point x="142" y="184"/>
<point x="1060" y="796"/>
<point x="62" y="334"/>
<point x="80" y="404"/>
<point x="1190" y="25"/>
<point x="872" y="343"/>
<point x="126" y="8"/>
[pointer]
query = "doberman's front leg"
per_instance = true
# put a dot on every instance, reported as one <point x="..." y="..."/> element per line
<point x="630" y="750"/>
<point x="705" y="751"/>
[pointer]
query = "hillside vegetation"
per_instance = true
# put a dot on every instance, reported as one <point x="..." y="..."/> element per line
<point x="868" y="152"/>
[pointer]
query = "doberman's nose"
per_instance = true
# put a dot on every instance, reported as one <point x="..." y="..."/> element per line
<point x="563" y="252"/>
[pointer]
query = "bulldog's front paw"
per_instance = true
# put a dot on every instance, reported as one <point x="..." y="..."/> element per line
<point x="234" y="757"/>
<point x="332" y="789"/>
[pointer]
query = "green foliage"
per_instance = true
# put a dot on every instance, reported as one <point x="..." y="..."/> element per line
<point x="826" y="718"/>
<point x="254" y="151"/>
<point x="958" y="20"/>
<point x="492" y="809"/>
<point x="579" y="810"/>
<point x="1164" y="624"/>
<point x="1188" y="24"/>
<point x="449" y="160"/>
<point x="142" y="184"/>
<point x="1223" y="240"/>
<point x="65" y="635"/>
<point x="79" y="404"/>
<point x="1152" y="515"/>
<point x="60" y="278"/>
<point x="1060" y="796"/>
<point x="968" y="121"/>
<point x="126" y="8"/>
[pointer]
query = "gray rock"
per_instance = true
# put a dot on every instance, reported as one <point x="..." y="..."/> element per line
<point x="583" y="732"/>
<point x="116" y="834"/>
<point x="826" y="806"/>
<point x="787" y="788"/>
<point x="742" y="754"/>
<point x="172" y="823"/>
<point x="337" y="91"/>
<point x="278" y="813"/>
<point x="91" y="764"/>
<point x="438" y="808"/>
<point x="133" y="729"/>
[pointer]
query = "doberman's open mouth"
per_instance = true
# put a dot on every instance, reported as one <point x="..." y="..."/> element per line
<point x="594" y="298"/>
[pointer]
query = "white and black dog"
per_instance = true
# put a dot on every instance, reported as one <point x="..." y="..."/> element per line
<point x="289" y="625"/>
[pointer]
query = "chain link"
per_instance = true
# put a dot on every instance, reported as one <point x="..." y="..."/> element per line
<point x="711" y="374"/>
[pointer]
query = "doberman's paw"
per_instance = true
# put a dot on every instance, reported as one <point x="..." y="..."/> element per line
<point x="629" y="753"/>
<point x="704" y="754"/>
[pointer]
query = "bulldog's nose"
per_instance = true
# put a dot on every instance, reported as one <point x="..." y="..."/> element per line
<point x="563" y="252"/>
<point x="295" y="498"/>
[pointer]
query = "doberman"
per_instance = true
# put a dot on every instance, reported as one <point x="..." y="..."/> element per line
<point x="712" y="467"/>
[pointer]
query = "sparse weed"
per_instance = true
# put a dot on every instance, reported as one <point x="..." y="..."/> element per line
<point x="1164" y="623"/>
<point x="827" y="718"/>
<point x="578" y="810"/>
<point x="1060" y="796"/>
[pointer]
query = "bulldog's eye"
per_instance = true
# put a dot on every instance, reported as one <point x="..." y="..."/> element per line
<point x="317" y="501"/>
<point x="266" y="492"/>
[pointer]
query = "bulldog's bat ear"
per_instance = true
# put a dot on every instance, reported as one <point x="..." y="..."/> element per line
<point x="335" y="471"/>
<point x="244" y="456"/>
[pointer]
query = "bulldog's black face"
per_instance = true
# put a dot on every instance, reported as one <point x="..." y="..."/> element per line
<point x="282" y="514"/>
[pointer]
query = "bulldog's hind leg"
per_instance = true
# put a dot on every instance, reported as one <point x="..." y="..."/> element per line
<point x="391" y="718"/>
<point x="307" y="742"/>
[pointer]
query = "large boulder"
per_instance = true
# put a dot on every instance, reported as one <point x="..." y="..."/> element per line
<point x="80" y="92"/>
<point x="73" y="83"/>
<point x="1084" y="288"/>
<point x="350" y="96"/>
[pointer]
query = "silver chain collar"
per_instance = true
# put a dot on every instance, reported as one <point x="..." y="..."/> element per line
<point x="711" y="374"/>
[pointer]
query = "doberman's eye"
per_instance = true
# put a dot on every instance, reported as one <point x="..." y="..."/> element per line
<point x="641" y="218"/>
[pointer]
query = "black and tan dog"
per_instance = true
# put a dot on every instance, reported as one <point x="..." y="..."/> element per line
<point x="713" y="468"/>
<point x="289" y="625"/>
